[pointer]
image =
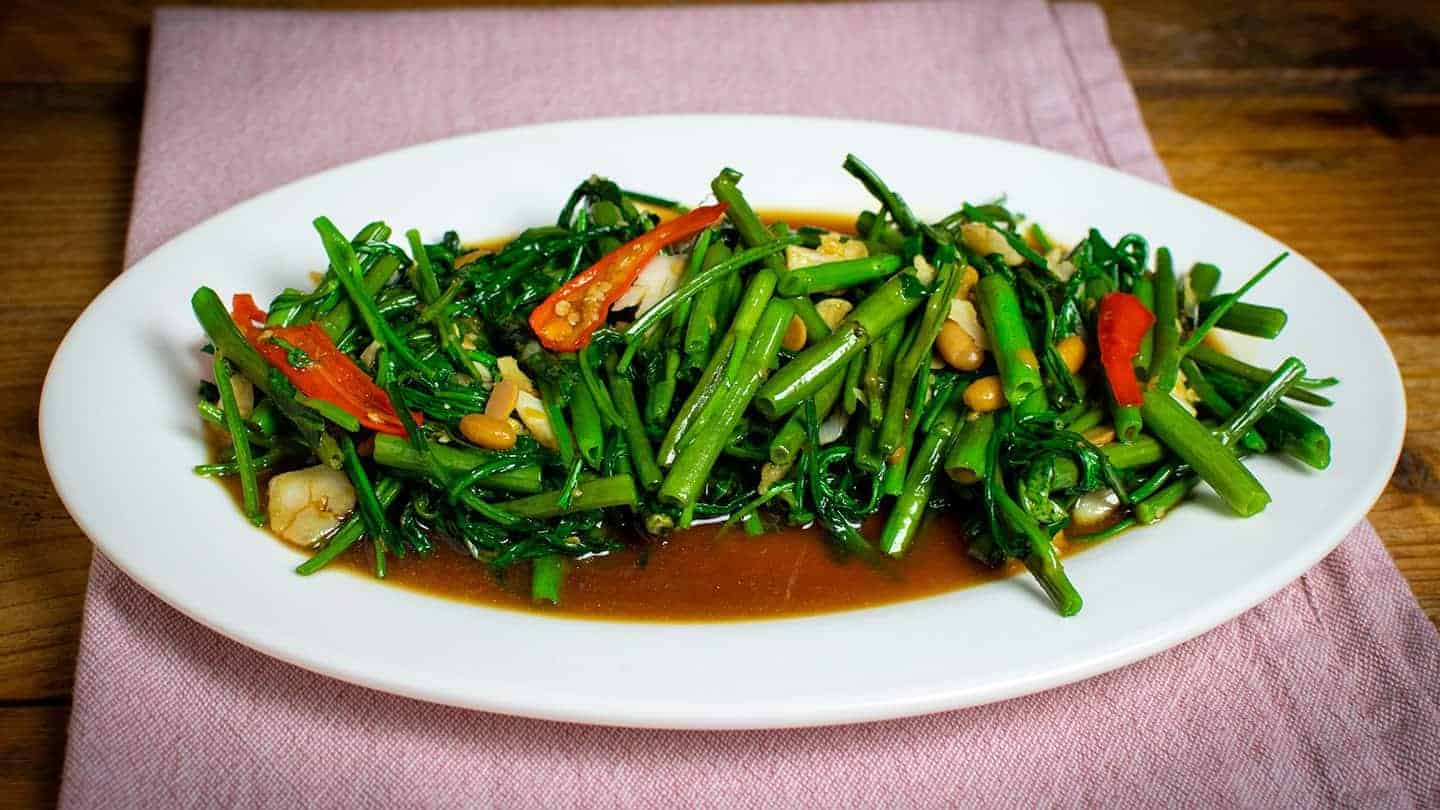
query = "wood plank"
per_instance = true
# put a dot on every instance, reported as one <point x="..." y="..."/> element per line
<point x="32" y="754"/>
<point x="65" y="176"/>
<point x="1231" y="35"/>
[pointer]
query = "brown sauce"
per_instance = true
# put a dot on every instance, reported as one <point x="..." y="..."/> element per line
<point x="707" y="572"/>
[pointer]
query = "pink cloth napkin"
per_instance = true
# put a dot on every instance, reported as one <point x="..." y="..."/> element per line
<point x="1321" y="695"/>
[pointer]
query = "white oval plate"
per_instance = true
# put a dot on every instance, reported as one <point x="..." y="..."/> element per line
<point x="120" y="434"/>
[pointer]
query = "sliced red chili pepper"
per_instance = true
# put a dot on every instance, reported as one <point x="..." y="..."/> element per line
<point x="1123" y="322"/>
<point x="565" y="321"/>
<point x="325" y="372"/>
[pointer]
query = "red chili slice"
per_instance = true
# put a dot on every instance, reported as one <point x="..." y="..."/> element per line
<point x="1124" y="320"/>
<point x="328" y="374"/>
<point x="565" y="321"/>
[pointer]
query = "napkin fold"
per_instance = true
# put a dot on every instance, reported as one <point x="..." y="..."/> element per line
<point x="1320" y="695"/>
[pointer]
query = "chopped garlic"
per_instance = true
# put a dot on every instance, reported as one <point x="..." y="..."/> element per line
<point x="833" y="426"/>
<point x="924" y="270"/>
<point x="1187" y="292"/>
<point x="510" y="370"/>
<point x="833" y="311"/>
<point x="305" y="505"/>
<point x="504" y="396"/>
<point x="840" y="247"/>
<point x="965" y="314"/>
<point x="797" y="257"/>
<point x="1093" y="510"/>
<point x="833" y="248"/>
<point x="371" y="352"/>
<point x="537" y="422"/>
<point x="1058" y="261"/>
<point x="1182" y="394"/>
<point x="244" y="395"/>
<point x="656" y="280"/>
<point x="985" y="240"/>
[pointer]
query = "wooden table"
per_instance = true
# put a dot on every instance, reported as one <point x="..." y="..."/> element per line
<point x="1318" y="122"/>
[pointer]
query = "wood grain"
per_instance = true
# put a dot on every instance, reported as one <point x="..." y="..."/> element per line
<point x="32" y="750"/>
<point x="1318" y="122"/>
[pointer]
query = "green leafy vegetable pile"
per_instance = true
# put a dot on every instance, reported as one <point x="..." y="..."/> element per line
<point x="784" y="376"/>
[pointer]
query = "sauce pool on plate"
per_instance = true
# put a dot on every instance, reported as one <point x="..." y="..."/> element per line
<point x="708" y="573"/>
